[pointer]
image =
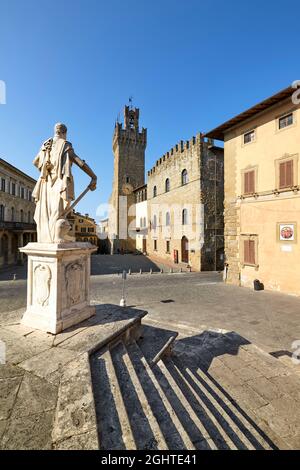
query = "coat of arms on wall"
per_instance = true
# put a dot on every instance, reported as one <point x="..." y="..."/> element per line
<point x="286" y="232"/>
<point x="74" y="283"/>
<point x="42" y="280"/>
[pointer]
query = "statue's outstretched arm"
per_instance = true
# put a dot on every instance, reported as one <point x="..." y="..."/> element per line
<point x="84" y="166"/>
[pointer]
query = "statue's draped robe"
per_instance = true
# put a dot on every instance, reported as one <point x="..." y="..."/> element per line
<point x="54" y="190"/>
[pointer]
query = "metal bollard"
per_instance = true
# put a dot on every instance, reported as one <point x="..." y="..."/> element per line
<point x="141" y="271"/>
<point x="15" y="277"/>
<point x="171" y="270"/>
<point x="161" y="271"/>
<point x="129" y="271"/>
<point x="151" y="271"/>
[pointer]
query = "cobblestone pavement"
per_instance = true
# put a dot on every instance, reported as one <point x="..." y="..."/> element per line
<point x="268" y="319"/>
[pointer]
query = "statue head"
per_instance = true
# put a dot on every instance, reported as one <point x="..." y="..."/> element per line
<point x="60" y="130"/>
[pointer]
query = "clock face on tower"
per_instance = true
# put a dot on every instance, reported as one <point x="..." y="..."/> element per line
<point x="127" y="188"/>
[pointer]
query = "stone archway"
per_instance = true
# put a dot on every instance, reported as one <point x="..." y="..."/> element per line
<point x="220" y="259"/>
<point x="5" y="249"/>
<point x="14" y="247"/>
<point x="184" y="249"/>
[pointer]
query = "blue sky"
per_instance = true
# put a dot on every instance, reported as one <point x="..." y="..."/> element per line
<point x="190" y="65"/>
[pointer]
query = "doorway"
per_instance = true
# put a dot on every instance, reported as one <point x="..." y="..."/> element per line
<point x="184" y="250"/>
<point x="5" y="249"/>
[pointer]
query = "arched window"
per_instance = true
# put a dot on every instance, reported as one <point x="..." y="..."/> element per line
<point x="21" y="215"/>
<point x="154" y="222"/>
<point x="2" y="212"/>
<point x="167" y="185"/>
<point x="154" y="191"/>
<point x="168" y="220"/>
<point x="184" y="217"/>
<point x="184" y="177"/>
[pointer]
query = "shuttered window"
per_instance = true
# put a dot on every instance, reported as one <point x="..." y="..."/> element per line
<point x="249" y="182"/>
<point x="286" y="170"/>
<point x="249" y="251"/>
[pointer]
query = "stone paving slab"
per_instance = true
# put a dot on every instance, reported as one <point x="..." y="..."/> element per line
<point x="86" y="441"/>
<point x="8" y="391"/>
<point x="34" y="396"/>
<point x="29" y="432"/>
<point x="49" y="362"/>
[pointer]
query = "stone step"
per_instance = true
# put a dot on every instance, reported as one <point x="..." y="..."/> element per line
<point x="119" y="403"/>
<point x="107" y="403"/>
<point x="209" y="424"/>
<point x="216" y="414"/>
<point x="191" y="421"/>
<point x="293" y="366"/>
<point x="144" y="425"/>
<point x="237" y="419"/>
<point x="240" y="430"/>
<point x="156" y="343"/>
<point x="175" y="434"/>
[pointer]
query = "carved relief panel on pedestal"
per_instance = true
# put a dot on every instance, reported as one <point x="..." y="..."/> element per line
<point x="75" y="280"/>
<point x="42" y="284"/>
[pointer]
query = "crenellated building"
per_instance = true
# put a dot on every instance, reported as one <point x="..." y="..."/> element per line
<point x="185" y="205"/>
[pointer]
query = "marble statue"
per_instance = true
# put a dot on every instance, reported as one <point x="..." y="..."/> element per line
<point x="54" y="191"/>
<point x="58" y="271"/>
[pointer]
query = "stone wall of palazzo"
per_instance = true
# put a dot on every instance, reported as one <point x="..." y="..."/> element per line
<point x="185" y="205"/>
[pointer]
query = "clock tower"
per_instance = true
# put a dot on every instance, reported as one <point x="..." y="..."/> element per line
<point x="129" y="144"/>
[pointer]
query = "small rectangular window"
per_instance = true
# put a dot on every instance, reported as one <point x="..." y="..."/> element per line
<point x="3" y="184"/>
<point x="249" y="137"/>
<point x="168" y="246"/>
<point x="249" y="252"/>
<point x="249" y="182"/>
<point x="155" y="245"/>
<point x="285" y="121"/>
<point x="13" y="189"/>
<point x="286" y="174"/>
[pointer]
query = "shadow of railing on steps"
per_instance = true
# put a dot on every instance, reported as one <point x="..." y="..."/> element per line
<point x="205" y="410"/>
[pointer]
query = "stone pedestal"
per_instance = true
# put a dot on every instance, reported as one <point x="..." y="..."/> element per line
<point x="58" y="285"/>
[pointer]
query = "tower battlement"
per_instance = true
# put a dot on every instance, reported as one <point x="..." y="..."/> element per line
<point x="129" y="133"/>
<point x="177" y="150"/>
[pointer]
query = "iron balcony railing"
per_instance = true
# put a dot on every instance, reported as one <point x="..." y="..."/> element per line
<point x="17" y="226"/>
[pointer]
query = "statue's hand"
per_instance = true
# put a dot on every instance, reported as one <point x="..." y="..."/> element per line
<point x="93" y="184"/>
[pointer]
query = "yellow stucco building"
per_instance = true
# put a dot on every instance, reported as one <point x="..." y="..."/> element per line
<point x="262" y="194"/>
<point x="83" y="228"/>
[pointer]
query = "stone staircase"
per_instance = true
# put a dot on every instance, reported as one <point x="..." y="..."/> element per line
<point x="146" y="398"/>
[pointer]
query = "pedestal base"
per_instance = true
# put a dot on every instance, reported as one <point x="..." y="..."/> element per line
<point x="58" y="285"/>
